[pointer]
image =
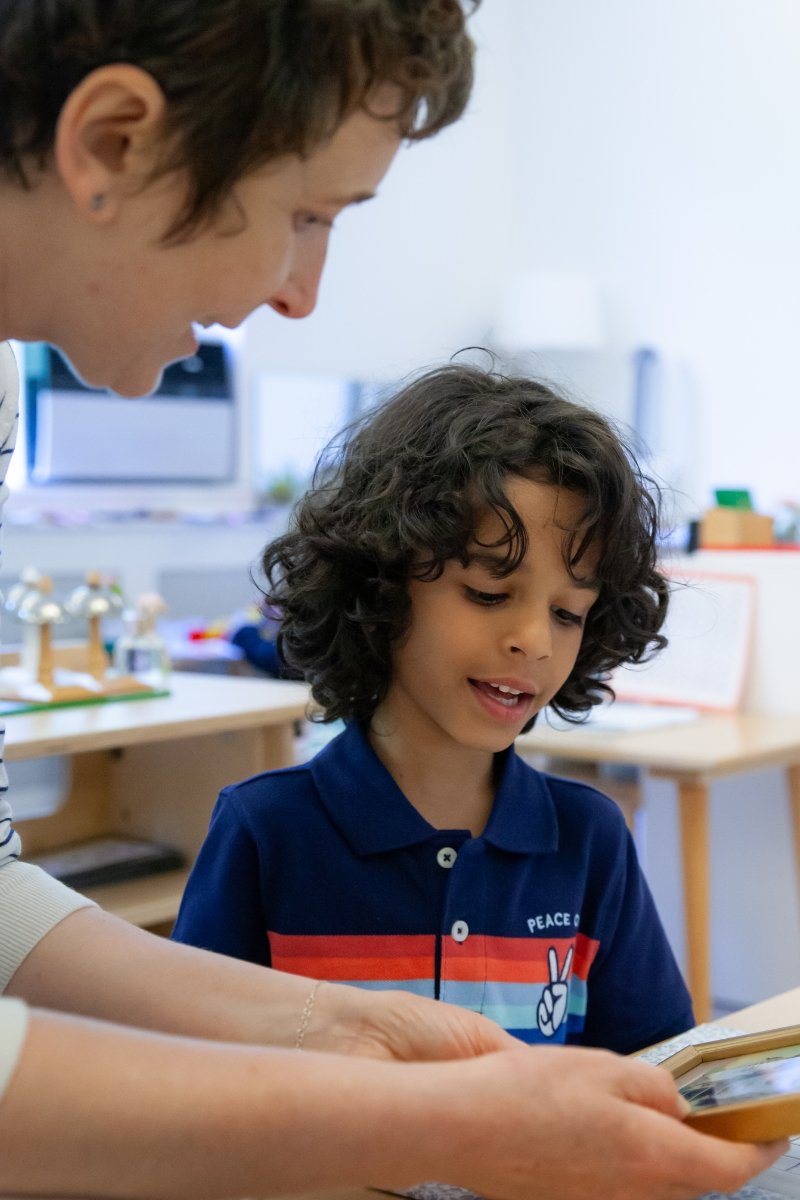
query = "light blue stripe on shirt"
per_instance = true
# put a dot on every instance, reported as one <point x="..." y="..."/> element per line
<point x="419" y="987"/>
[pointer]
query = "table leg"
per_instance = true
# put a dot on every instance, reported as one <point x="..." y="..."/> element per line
<point x="277" y="746"/>
<point x="793" y="778"/>
<point x="694" y="819"/>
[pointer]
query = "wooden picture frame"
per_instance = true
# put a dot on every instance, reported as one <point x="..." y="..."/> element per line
<point x="745" y="1089"/>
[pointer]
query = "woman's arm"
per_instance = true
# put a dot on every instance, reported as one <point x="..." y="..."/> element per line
<point x="95" y="965"/>
<point x="101" y="1111"/>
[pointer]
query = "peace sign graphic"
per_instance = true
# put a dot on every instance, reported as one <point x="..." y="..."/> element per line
<point x="553" y="1005"/>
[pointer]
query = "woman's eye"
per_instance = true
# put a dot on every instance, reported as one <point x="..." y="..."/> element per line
<point x="488" y="599"/>
<point x="307" y="220"/>
<point x="568" y="618"/>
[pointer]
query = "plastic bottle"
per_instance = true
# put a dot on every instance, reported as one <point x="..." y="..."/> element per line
<point x="141" y="650"/>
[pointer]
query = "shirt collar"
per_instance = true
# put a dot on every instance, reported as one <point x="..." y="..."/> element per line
<point x="374" y="816"/>
<point x="523" y="819"/>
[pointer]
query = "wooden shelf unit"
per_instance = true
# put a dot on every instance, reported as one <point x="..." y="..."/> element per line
<point x="153" y="769"/>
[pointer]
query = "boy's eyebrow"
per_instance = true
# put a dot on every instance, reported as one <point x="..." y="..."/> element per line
<point x="495" y="564"/>
<point x="591" y="585"/>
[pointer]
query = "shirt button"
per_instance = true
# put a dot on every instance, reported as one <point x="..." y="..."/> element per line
<point x="459" y="931"/>
<point x="446" y="857"/>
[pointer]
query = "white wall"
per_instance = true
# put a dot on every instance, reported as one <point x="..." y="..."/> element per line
<point x="755" y="892"/>
<point x="755" y="878"/>
<point x="658" y="151"/>
<point x="136" y="552"/>
<point x="414" y="275"/>
<point x="651" y="147"/>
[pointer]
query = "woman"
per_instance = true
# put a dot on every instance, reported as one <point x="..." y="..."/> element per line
<point x="168" y="162"/>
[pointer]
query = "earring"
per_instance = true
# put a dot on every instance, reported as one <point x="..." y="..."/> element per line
<point x="97" y="201"/>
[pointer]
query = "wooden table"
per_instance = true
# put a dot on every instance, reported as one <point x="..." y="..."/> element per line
<point x="692" y="755"/>
<point x="768" y="1014"/>
<point x="153" y="768"/>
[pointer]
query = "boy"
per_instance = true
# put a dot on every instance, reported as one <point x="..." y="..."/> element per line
<point x="480" y="549"/>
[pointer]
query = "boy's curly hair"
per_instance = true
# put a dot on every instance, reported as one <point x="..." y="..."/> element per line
<point x="402" y="493"/>
<point x="246" y="81"/>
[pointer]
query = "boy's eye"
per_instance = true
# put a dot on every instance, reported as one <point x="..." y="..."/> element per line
<point x="486" y="598"/>
<point x="568" y="618"/>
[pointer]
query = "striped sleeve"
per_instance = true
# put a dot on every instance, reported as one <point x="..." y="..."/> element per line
<point x="13" y="1027"/>
<point x="9" y="409"/>
<point x="31" y="902"/>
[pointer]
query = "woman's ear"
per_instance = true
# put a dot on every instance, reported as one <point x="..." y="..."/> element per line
<point x="107" y="137"/>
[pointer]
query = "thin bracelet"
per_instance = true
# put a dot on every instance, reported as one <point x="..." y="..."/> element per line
<point x="305" y="1016"/>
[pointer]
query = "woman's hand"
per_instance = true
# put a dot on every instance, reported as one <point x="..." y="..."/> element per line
<point x="398" y="1025"/>
<point x="562" y="1123"/>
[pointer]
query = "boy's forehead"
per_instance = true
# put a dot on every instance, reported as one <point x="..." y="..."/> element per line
<point x="541" y="506"/>
<point x="495" y="560"/>
<point x="549" y="513"/>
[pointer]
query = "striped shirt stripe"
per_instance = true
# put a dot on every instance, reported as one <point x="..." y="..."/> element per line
<point x="482" y="959"/>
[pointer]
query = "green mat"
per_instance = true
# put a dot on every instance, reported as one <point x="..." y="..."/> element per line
<point x="9" y="708"/>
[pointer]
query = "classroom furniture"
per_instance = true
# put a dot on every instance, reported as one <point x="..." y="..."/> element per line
<point x="773" y="1013"/>
<point x="211" y="656"/>
<point x="153" y="768"/>
<point x="692" y="756"/>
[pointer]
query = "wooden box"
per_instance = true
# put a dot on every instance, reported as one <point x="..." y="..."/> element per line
<point x="735" y="527"/>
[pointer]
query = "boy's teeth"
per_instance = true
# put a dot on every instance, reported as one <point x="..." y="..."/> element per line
<point x="501" y="687"/>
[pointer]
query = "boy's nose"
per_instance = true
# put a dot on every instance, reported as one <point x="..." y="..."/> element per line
<point x="533" y="638"/>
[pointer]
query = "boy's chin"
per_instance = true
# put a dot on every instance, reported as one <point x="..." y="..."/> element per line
<point x="526" y="728"/>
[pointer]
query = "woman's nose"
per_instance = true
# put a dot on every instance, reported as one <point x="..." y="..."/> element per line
<point x="297" y="296"/>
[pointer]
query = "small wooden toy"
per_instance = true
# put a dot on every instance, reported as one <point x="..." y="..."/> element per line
<point x="40" y="610"/>
<point x="43" y="674"/>
<point x="27" y="585"/>
<point x="94" y="600"/>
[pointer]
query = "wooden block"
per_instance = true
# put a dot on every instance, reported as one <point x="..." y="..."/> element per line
<point x="735" y="527"/>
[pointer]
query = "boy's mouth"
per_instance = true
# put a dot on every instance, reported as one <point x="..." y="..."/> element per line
<point x="502" y="693"/>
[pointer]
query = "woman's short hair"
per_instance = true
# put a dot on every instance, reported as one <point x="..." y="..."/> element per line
<point x="246" y="81"/>
<point x="401" y="494"/>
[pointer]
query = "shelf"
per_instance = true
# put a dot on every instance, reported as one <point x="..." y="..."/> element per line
<point x="197" y="706"/>
<point x="151" y="900"/>
<point x="152" y="769"/>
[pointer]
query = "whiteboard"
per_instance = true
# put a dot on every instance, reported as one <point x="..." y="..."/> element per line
<point x="709" y="625"/>
<point x="84" y="437"/>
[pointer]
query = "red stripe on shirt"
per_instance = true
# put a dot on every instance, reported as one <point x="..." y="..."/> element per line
<point x="411" y="956"/>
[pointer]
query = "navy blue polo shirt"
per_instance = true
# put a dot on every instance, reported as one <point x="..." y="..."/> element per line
<point x="543" y="923"/>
